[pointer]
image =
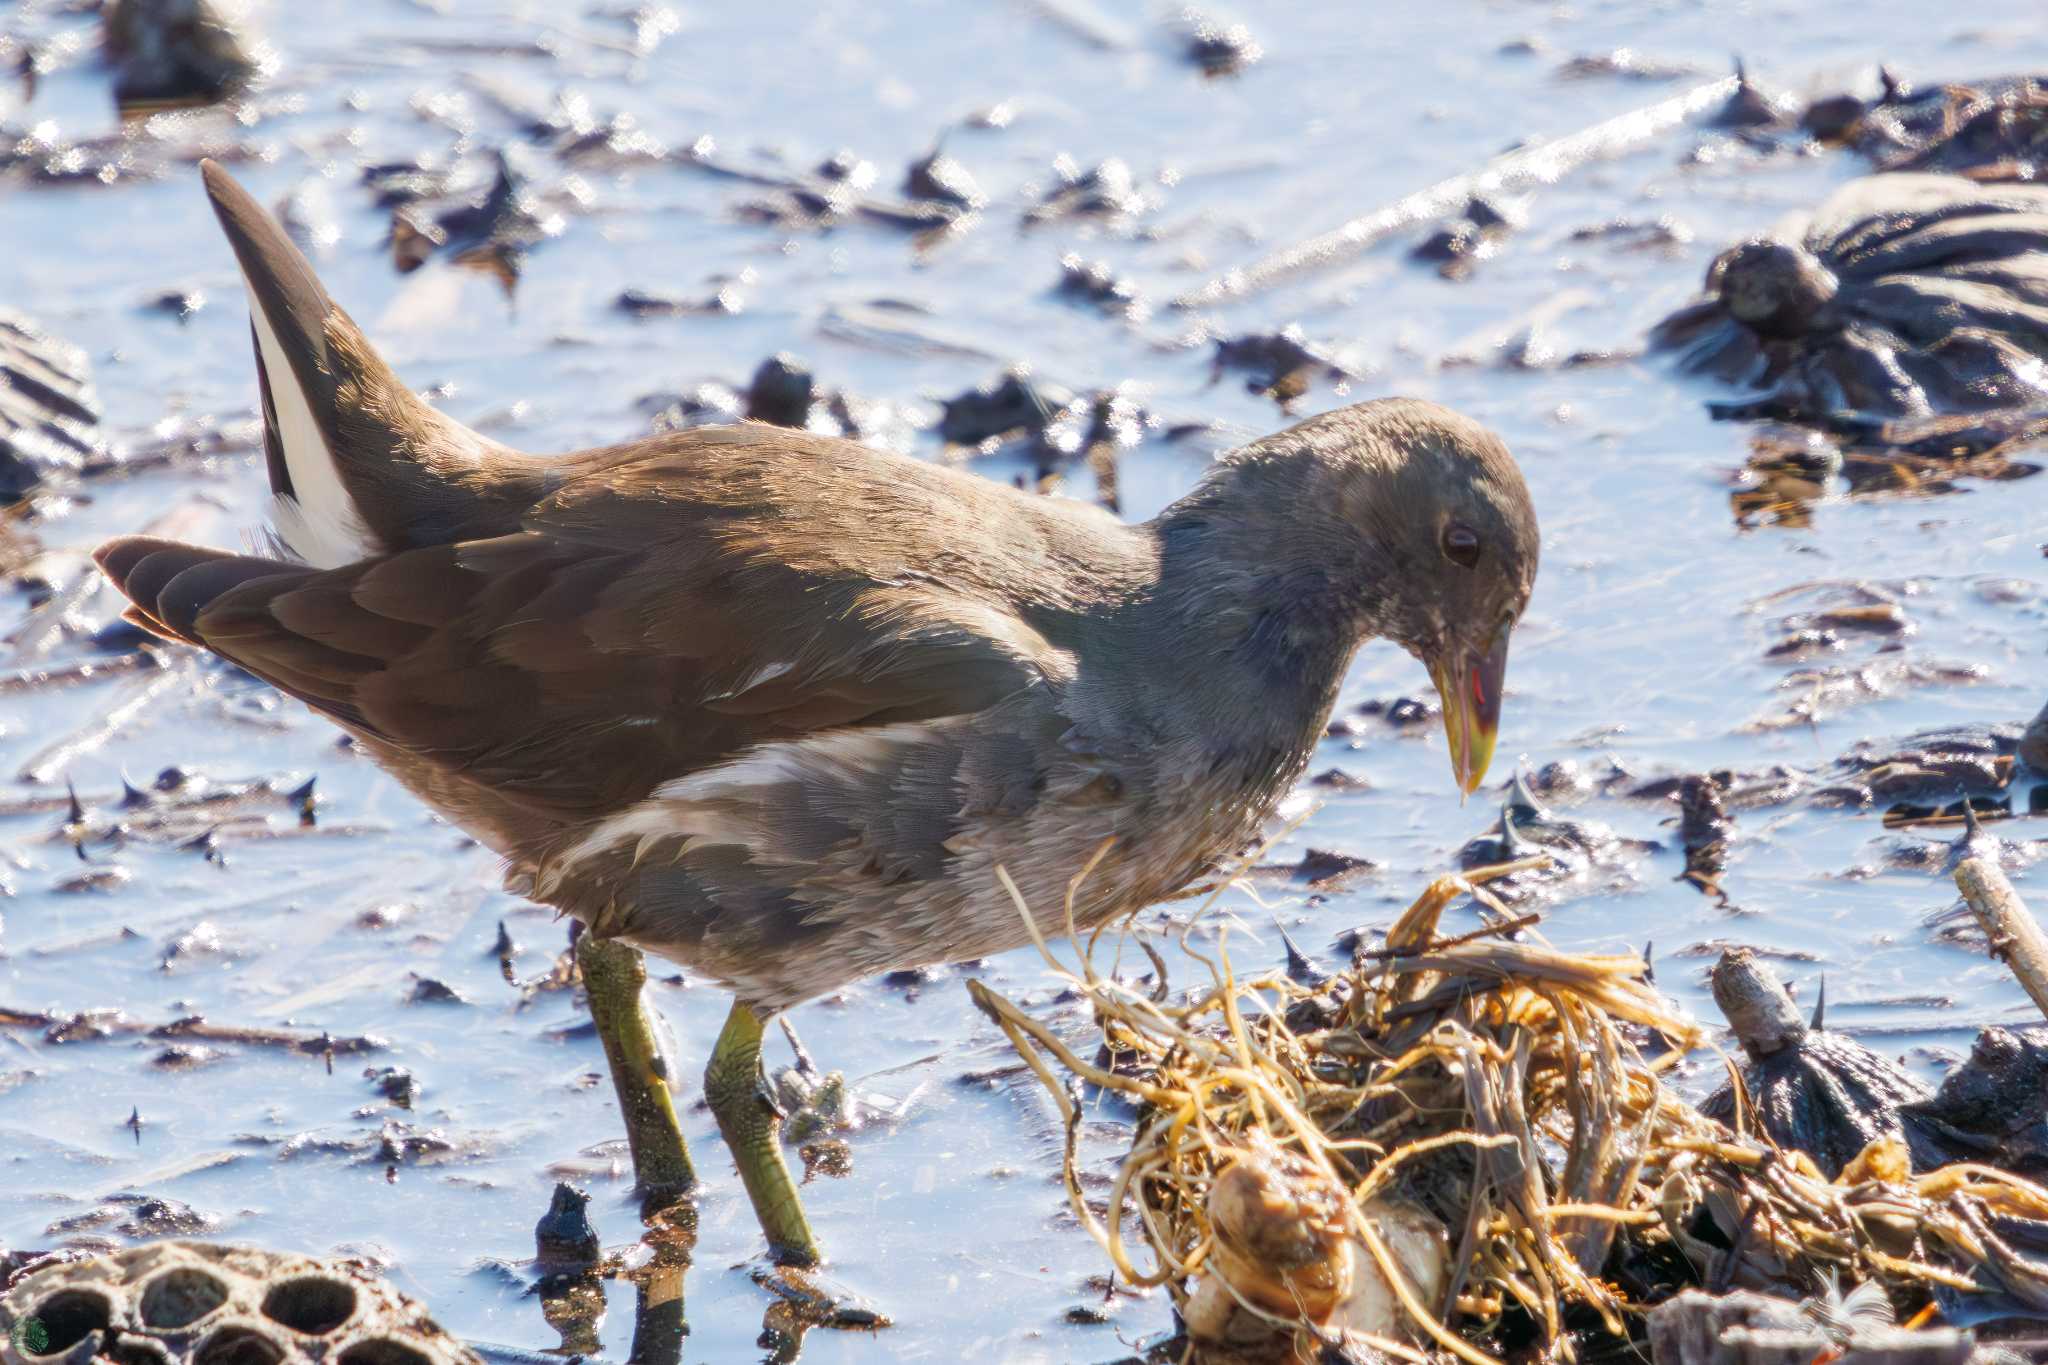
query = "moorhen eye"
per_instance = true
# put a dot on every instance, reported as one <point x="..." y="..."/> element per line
<point x="1461" y="543"/>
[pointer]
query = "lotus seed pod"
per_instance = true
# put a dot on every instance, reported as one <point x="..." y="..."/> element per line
<point x="193" y="1303"/>
<point x="1420" y="1245"/>
<point x="1280" y="1234"/>
<point x="1282" y="1242"/>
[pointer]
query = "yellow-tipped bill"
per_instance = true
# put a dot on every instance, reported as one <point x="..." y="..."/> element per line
<point x="1469" y="685"/>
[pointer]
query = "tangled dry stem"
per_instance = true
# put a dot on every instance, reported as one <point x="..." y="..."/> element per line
<point x="1521" y="1092"/>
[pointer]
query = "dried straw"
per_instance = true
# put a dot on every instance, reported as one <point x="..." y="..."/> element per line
<point x="1519" y="1092"/>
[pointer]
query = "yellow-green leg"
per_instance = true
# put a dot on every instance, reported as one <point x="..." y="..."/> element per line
<point x="738" y="1095"/>
<point x="614" y="979"/>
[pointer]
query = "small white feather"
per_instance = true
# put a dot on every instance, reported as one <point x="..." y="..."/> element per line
<point x="319" y="522"/>
<point x="760" y="677"/>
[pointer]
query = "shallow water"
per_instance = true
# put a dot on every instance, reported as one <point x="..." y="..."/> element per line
<point x="1645" y="640"/>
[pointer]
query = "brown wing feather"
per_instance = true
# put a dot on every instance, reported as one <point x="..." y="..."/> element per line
<point x="572" y="678"/>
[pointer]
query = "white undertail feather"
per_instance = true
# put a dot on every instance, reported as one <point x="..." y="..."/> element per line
<point x="319" y="522"/>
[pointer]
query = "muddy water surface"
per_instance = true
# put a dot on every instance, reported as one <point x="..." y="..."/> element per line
<point x="1645" y="646"/>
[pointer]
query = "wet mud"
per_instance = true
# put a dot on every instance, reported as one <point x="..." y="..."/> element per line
<point x="246" y="985"/>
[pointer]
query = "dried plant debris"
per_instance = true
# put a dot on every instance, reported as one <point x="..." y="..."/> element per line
<point x="1752" y="123"/>
<point x="487" y="228"/>
<point x="1809" y="695"/>
<point x="396" y="184"/>
<point x="1698" y="1328"/>
<point x="1401" y="715"/>
<point x="395" y="1083"/>
<point x="1322" y="869"/>
<point x="1295" y="1188"/>
<point x="193" y="1303"/>
<point x="1752" y="108"/>
<point x="837" y="192"/>
<point x="1053" y="426"/>
<point x="1565" y="856"/>
<point x="1705" y="829"/>
<point x="1106" y="193"/>
<point x="1459" y="244"/>
<point x="818" y="1104"/>
<point x="1529" y="340"/>
<point x="1934" y="853"/>
<point x="1989" y="130"/>
<point x="1901" y="298"/>
<point x="109" y="1022"/>
<point x="140" y="1216"/>
<point x="570" y="128"/>
<point x="726" y="296"/>
<point x="1625" y="63"/>
<point x="1958" y="923"/>
<point x="711" y="403"/>
<point x="1931" y="765"/>
<point x="1341" y="779"/>
<point x="940" y="179"/>
<point x="1842" y="612"/>
<point x="49" y="414"/>
<point x="1014" y="403"/>
<point x="1665" y="234"/>
<point x="1994" y="134"/>
<point x="1790" y="469"/>
<point x="1960" y="443"/>
<point x="392" y="1144"/>
<point x="1281" y="365"/>
<point x="42" y="155"/>
<point x="1217" y="47"/>
<point x="1097" y="285"/>
<point x="184" y="809"/>
<point x="1564" y="780"/>
<point x="179" y="304"/>
<point x="1826" y="632"/>
<point x="785" y="391"/>
<point x="170" y="54"/>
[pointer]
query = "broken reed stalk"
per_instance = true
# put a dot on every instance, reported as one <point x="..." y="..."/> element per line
<point x="2015" y="935"/>
<point x="1502" y="1086"/>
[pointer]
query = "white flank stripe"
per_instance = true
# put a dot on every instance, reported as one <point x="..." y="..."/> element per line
<point x="319" y="523"/>
<point x="718" y="805"/>
<point x="770" y="764"/>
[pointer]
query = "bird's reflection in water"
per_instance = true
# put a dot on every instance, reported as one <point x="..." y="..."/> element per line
<point x="574" y="1271"/>
<point x="659" y="1325"/>
<point x="803" y="1300"/>
<point x="573" y="1305"/>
